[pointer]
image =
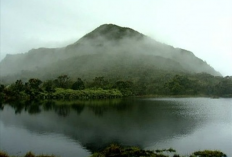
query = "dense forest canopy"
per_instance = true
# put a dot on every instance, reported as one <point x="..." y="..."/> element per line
<point x="102" y="88"/>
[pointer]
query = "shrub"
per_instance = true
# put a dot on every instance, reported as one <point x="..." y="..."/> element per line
<point x="209" y="153"/>
<point x="3" y="154"/>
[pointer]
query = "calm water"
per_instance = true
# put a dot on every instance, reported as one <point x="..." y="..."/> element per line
<point x="77" y="129"/>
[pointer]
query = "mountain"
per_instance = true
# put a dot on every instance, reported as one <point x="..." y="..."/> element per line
<point x="110" y="51"/>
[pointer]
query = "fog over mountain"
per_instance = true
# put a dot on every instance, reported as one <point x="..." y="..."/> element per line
<point x="110" y="51"/>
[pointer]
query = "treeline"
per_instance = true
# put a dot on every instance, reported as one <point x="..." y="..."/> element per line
<point x="64" y="88"/>
<point x="101" y="88"/>
<point x="115" y="150"/>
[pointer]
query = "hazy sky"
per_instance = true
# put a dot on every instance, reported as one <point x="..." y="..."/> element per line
<point x="201" y="26"/>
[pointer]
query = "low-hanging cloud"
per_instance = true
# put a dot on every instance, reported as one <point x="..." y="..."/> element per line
<point x="192" y="25"/>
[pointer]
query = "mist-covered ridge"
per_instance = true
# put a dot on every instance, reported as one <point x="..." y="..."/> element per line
<point x="108" y="50"/>
<point x="113" y="32"/>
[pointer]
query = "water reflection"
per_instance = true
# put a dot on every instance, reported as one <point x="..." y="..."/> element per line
<point x="1" y="106"/>
<point x="95" y="124"/>
<point x="63" y="108"/>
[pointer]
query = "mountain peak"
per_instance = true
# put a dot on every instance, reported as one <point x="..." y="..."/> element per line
<point x="113" y="32"/>
<point x="109" y="46"/>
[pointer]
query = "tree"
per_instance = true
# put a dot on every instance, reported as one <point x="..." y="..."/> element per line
<point x="125" y="87"/>
<point x="2" y="87"/>
<point x="78" y="85"/>
<point x="19" y="86"/>
<point x="34" y="83"/>
<point x="62" y="81"/>
<point x="49" y="86"/>
<point x="99" y="82"/>
<point x="32" y="87"/>
<point x="178" y="85"/>
<point x="224" y="87"/>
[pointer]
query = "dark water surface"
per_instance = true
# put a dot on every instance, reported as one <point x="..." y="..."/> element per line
<point x="71" y="129"/>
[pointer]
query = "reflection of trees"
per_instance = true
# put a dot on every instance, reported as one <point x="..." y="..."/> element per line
<point x="18" y="106"/>
<point x="34" y="109"/>
<point x="62" y="110"/>
<point x="1" y="106"/>
<point x="48" y="105"/>
<point x="78" y="107"/>
<point x="98" y="110"/>
<point x="129" y="122"/>
<point x="100" y="107"/>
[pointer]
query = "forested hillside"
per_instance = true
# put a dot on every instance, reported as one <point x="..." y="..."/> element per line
<point x="109" y="62"/>
<point x="110" y="51"/>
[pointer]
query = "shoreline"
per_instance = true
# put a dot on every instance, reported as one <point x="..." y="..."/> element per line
<point x="89" y="98"/>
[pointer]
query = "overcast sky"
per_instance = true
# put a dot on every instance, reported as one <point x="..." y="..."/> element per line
<point x="201" y="26"/>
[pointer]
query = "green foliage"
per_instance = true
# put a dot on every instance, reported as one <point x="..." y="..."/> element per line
<point x="118" y="151"/>
<point x="2" y="87"/>
<point x="225" y="87"/>
<point x="32" y="88"/>
<point x="179" y="85"/>
<point x="100" y="88"/>
<point x="49" y="86"/>
<point x="62" y="81"/>
<point x="165" y="150"/>
<point x="2" y="95"/>
<point x="99" y="82"/>
<point x="18" y="86"/>
<point x="34" y="83"/>
<point x="209" y="153"/>
<point x="126" y="87"/>
<point x="87" y="94"/>
<point x="29" y="154"/>
<point x="78" y="85"/>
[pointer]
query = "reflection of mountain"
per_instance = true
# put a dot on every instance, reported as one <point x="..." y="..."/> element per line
<point x="134" y="122"/>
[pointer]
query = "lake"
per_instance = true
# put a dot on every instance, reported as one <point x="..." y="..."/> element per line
<point x="78" y="128"/>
